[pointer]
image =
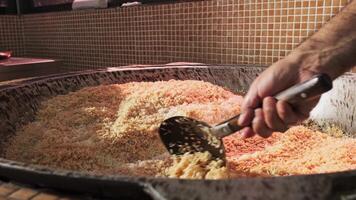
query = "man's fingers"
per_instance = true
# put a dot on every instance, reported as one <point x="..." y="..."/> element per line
<point x="259" y="126"/>
<point x="247" y="132"/>
<point x="305" y="108"/>
<point x="246" y="117"/>
<point x="250" y="102"/>
<point x="286" y="113"/>
<point x="271" y="116"/>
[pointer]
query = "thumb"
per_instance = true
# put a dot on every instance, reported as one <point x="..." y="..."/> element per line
<point x="250" y="102"/>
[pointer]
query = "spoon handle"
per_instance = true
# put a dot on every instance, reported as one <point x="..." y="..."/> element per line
<point x="306" y="90"/>
<point x="301" y="92"/>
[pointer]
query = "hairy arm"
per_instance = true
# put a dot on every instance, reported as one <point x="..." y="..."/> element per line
<point x="332" y="50"/>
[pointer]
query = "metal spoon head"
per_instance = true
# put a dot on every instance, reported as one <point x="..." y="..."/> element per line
<point x="183" y="135"/>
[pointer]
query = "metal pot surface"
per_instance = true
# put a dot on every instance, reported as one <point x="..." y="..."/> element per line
<point x="19" y="101"/>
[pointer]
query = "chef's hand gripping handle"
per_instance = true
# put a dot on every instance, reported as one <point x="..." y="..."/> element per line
<point x="307" y="90"/>
<point x="304" y="91"/>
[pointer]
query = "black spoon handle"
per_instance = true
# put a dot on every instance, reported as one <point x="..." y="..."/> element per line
<point x="304" y="91"/>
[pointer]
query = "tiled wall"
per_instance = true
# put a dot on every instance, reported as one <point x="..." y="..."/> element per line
<point x="210" y="31"/>
<point x="11" y="34"/>
<point x="214" y="31"/>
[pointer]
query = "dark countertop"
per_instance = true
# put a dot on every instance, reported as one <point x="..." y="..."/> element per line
<point x="17" y="68"/>
<point x="15" y="61"/>
<point x="13" y="191"/>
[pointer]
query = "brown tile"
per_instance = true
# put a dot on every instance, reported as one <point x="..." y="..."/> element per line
<point x="7" y="188"/>
<point x="23" y="194"/>
<point x="45" y="196"/>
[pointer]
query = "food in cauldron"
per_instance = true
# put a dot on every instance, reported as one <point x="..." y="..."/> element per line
<point x="112" y="129"/>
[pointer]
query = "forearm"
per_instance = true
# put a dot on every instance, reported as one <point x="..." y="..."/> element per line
<point x="332" y="49"/>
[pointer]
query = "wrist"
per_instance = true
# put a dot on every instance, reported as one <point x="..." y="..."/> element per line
<point x="318" y="61"/>
<point x="331" y="60"/>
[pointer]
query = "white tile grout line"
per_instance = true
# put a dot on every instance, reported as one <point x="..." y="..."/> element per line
<point x="283" y="36"/>
<point x="331" y="10"/>
<point x="276" y="39"/>
<point x="248" y="32"/>
<point x="280" y="30"/>
<point x="293" y="24"/>
<point x="268" y="30"/>
<point x="264" y="17"/>
<point x="243" y="35"/>
<point x="249" y="57"/>
<point x="316" y="19"/>
<point x="261" y="24"/>
<point x="255" y="36"/>
<point x="308" y="19"/>
<point x="300" y="26"/>
<point x="323" y="15"/>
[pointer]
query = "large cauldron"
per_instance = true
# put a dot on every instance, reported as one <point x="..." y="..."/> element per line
<point x="20" y="100"/>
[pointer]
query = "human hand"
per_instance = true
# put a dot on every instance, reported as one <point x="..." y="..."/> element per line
<point x="263" y="113"/>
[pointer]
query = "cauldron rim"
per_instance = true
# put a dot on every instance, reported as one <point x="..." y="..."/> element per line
<point x="118" y="186"/>
<point x="46" y="176"/>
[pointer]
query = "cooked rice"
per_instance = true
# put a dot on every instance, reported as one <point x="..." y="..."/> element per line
<point x="113" y="129"/>
<point x="105" y="128"/>
<point x="196" y="166"/>
<point x="297" y="151"/>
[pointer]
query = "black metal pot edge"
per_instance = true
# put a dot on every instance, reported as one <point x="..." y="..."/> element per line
<point x="133" y="187"/>
<point x="116" y="186"/>
<point x="73" y="182"/>
<point x="122" y="68"/>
